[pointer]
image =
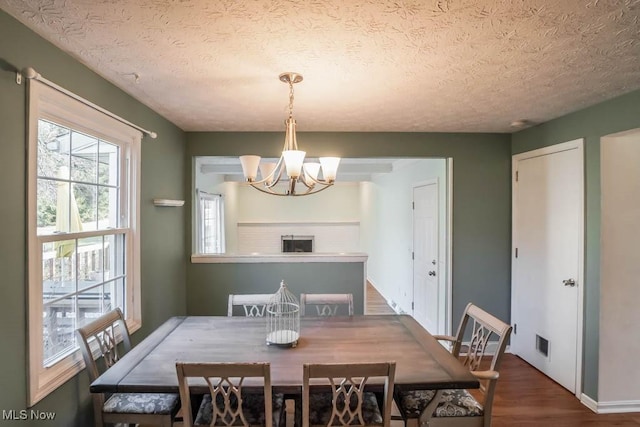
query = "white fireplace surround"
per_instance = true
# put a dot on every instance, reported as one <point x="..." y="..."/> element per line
<point x="329" y="237"/>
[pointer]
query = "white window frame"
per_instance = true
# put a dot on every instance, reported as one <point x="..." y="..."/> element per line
<point x="49" y="104"/>
<point x="200" y="228"/>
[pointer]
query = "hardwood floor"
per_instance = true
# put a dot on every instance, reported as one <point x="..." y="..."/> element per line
<point x="375" y="303"/>
<point x="525" y="397"/>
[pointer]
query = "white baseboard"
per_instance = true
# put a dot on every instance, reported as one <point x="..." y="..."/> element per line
<point x="589" y="402"/>
<point x="613" y="407"/>
<point x="395" y="307"/>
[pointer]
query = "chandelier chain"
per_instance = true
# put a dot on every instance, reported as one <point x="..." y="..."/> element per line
<point x="290" y="99"/>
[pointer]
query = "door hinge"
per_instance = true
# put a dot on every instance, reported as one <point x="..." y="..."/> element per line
<point x="413" y="255"/>
<point x="413" y="205"/>
<point x="412" y="304"/>
<point x="516" y="252"/>
<point x="517" y="175"/>
<point x="515" y="328"/>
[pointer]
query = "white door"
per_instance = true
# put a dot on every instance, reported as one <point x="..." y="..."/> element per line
<point x="426" y="289"/>
<point x="547" y="262"/>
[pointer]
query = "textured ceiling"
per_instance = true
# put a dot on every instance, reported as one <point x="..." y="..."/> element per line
<point x="398" y="65"/>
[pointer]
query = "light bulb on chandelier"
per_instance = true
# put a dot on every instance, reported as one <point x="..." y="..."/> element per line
<point x="291" y="164"/>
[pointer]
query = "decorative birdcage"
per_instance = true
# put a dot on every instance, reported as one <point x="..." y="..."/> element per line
<point x="283" y="318"/>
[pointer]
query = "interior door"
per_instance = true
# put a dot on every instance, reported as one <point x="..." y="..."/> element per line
<point x="426" y="289"/>
<point x="548" y="226"/>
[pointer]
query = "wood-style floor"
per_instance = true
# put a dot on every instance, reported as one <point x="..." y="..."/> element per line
<point x="376" y="304"/>
<point x="525" y="397"/>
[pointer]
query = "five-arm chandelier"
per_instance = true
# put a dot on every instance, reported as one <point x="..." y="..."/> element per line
<point x="291" y="166"/>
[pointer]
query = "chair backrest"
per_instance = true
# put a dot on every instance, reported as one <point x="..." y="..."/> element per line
<point x="481" y="328"/>
<point x="348" y="381"/>
<point x="325" y="304"/>
<point x="100" y="337"/>
<point x="254" y="305"/>
<point x="224" y="381"/>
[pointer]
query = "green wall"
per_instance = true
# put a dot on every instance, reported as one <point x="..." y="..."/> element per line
<point x="481" y="199"/>
<point x="612" y="116"/>
<point x="162" y="230"/>
<point x="210" y="284"/>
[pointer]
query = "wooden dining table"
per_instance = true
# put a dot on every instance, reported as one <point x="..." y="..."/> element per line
<point x="421" y="361"/>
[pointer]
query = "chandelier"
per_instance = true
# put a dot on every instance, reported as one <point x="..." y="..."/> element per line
<point x="301" y="178"/>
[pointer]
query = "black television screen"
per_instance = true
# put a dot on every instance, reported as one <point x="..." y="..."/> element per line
<point x="297" y="244"/>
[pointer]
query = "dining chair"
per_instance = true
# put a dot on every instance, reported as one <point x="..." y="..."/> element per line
<point x="254" y="305"/>
<point x="482" y="355"/>
<point x="347" y="403"/>
<point x="227" y="403"/>
<point x="98" y="340"/>
<point x="326" y="304"/>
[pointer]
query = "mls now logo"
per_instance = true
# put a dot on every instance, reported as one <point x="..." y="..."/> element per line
<point x="24" y="414"/>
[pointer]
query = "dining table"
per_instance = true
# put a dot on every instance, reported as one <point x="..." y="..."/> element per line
<point x="421" y="361"/>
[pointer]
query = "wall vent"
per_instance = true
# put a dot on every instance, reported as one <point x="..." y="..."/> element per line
<point x="542" y="345"/>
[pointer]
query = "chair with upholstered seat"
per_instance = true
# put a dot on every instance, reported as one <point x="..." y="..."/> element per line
<point x="326" y="304"/>
<point x="459" y="408"/>
<point x="253" y="305"/>
<point x="227" y="403"/>
<point x="347" y="402"/>
<point x="100" y="338"/>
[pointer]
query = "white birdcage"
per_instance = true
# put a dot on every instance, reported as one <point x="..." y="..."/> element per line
<point x="283" y="318"/>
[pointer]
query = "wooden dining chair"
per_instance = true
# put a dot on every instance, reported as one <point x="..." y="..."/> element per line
<point x="100" y="339"/>
<point x="458" y="407"/>
<point x="326" y="304"/>
<point x="347" y="403"/>
<point x="226" y="403"/>
<point x="253" y="305"/>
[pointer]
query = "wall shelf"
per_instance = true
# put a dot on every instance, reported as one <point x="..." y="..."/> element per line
<point x="168" y="202"/>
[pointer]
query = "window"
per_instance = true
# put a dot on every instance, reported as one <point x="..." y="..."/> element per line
<point x="83" y="229"/>
<point x="210" y="223"/>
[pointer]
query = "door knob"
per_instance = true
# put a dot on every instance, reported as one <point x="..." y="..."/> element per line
<point x="569" y="282"/>
<point x="432" y="273"/>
